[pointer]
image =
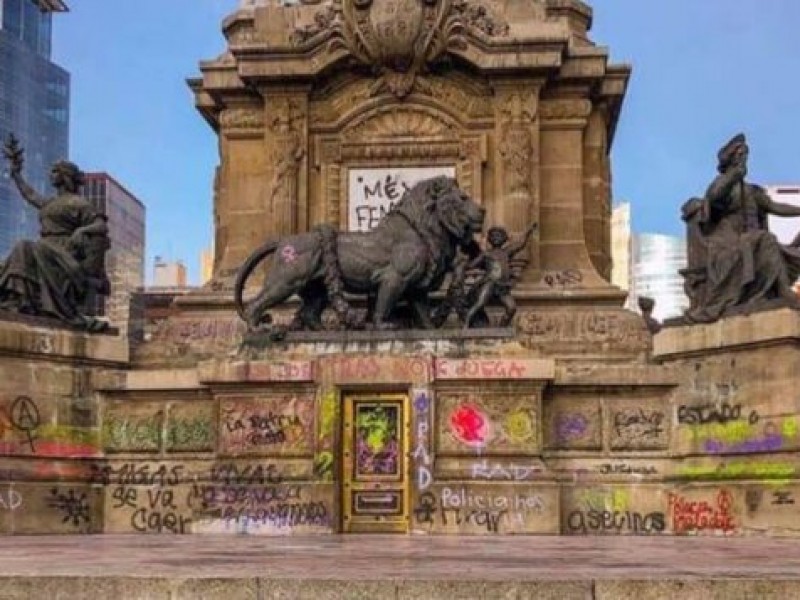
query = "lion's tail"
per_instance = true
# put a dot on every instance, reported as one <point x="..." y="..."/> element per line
<point x="246" y="270"/>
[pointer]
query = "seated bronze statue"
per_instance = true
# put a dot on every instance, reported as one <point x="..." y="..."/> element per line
<point x="60" y="274"/>
<point x="735" y="264"/>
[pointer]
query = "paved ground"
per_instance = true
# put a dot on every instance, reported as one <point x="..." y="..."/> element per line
<point x="352" y="567"/>
<point x="399" y="557"/>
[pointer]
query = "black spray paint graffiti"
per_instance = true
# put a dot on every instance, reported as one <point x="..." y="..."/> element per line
<point x="159" y="513"/>
<point x="133" y="474"/>
<point x="232" y="474"/>
<point x="638" y="424"/>
<point x="712" y="413"/>
<point x="752" y="498"/>
<point x="159" y="510"/>
<point x="252" y="508"/>
<point x="604" y="521"/>
<point x="73" y="506"/>
<point x="428" y="509"/>
<point x="25" y="418"/>
<point x="782" y="498"/>
<point x="264" y="429"/>
<point x="278" y="516"/>
<point x="153" y="510"/>
<point x="482" y="509"/>
<point x="379" y="197"/>
<point x="626" y="469"/>
<point x="218" y="496"/>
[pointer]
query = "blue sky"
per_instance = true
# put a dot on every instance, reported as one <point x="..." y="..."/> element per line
<point x="703" y="70"/>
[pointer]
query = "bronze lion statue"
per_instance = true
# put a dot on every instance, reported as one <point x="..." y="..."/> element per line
<point x="406" y="256"/>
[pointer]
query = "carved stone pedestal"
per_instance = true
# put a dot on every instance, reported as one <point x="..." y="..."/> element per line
<point x="50" y="425"/>
<point x="737" y="417"/>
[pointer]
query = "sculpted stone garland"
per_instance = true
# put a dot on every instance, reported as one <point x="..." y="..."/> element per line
<point x="516" y="146"/>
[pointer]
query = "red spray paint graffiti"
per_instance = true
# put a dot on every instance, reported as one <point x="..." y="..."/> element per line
<point x="469" y="425"/>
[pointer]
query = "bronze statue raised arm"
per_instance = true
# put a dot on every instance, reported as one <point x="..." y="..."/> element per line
<point x="58" y="275"/>
<point x="16" y="158"/>
<point x="734" y="260"/>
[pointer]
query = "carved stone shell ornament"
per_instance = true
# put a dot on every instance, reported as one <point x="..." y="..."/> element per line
<point x="397" y="37"/>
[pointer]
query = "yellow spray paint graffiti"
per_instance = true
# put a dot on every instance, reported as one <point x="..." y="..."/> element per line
<point x="324" y="459"/>
<point x="519" y="426"/>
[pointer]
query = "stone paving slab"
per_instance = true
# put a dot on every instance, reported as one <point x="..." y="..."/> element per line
<point x="401" y="568"/>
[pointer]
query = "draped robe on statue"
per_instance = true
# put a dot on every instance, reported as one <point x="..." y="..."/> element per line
<point x="52" y="276"/>
<point x="730" y="241"/>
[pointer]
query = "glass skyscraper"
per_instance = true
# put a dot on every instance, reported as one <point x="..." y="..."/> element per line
<point x="126" y="231"/>
<point x="34" y="106"/>
<point x="655" y="262"/>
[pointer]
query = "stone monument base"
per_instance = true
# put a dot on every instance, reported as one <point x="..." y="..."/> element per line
<point x="486" y="433"/>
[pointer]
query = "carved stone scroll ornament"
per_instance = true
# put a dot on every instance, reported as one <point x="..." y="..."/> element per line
<point x="516" y="146"/>
<point x="398" y="38"/>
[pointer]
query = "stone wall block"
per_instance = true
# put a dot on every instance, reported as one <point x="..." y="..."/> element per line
<point x="191" y="427"/>
<point x="133" y="426"/>
<point x="573" y="421"/>
<point x="267" y="425"/>
<point x="50" y="508"/>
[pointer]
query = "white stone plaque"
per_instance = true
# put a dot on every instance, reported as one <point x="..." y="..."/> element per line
<point x="373" y="192"/>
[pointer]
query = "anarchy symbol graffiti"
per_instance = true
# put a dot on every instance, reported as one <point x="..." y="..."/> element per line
<point x="25" y="418"/>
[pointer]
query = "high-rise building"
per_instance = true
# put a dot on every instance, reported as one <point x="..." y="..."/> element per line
<point x="785" y="228"/>
<point x="655" y="262"/>
<point x="169" y="273"/>
<point x="126" y="229"/>
<point x="34" y="106"/>
<point x="206" y="265"/>
<point x="621" y="246"/>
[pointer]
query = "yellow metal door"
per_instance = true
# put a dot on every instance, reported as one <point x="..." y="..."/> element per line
<point x="375" y="483"/>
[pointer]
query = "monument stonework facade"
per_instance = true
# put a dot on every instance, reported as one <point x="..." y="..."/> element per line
<point x="573" y="421"/>
<point x="510" y="97"/>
